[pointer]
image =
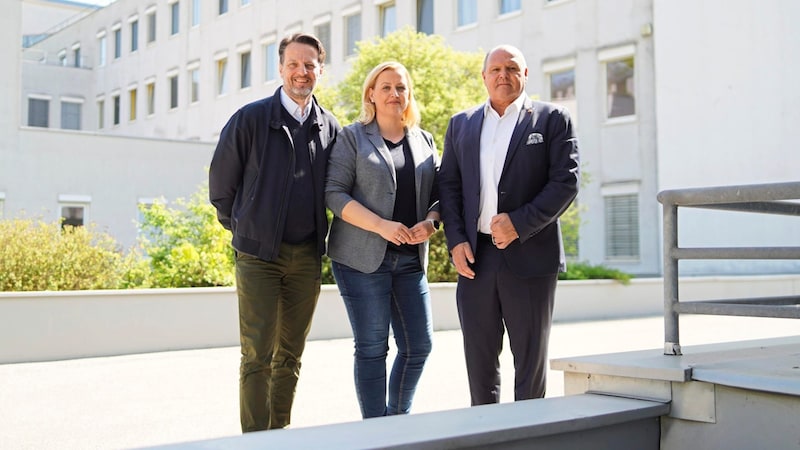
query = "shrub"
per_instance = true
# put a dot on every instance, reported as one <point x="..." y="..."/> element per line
<point x="185" y="245"/>
<point x="41" y="256"/>
<point x="586" y="271"/>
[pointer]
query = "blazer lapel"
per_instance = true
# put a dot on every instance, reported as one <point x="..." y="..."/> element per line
<point x="374" y="135"/>
<point x="473" y="138"/>
<point x="418" y="154"/>
<point x="523" y="124"/>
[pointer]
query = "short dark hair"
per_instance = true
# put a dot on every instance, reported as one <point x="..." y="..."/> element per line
<point x="302" y="38"/>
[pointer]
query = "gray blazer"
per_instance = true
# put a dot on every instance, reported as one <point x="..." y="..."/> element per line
<point x="360" y="168"/>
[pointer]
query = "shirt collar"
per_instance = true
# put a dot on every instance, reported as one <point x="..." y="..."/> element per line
<point x="515" y="106"/>
<point x="301" y="114"/>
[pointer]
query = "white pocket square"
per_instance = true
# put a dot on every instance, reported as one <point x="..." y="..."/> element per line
<point x="534" y="138"/>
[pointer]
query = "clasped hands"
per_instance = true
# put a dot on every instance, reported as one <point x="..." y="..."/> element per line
<point x="397" y="233"/>
<point x="503" y="234"/>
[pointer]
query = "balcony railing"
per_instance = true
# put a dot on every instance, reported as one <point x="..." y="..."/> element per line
<point x="773" y="198"/>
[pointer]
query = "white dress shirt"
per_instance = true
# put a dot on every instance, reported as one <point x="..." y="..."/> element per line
<point x="495" y="138"/>
<point x="299" y="113"/>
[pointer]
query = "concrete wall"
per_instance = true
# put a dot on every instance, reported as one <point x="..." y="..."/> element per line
<point x="114" y="173"/>
<point x="727" y="114"/>
<point x="41" y="326"/>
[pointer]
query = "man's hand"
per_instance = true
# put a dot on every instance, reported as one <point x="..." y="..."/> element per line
<point x="503" y="231"/>
<point x="462" y="258"/>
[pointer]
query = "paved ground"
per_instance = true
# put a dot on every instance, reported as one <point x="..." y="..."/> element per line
<point x="158" y="398"/>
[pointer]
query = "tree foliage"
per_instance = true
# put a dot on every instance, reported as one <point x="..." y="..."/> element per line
<point x="445" y="81"/>
<point x="185" y="244"/>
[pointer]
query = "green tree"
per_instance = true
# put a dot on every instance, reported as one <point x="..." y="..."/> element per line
<point x="445" y="81"/>
<point x="185" y="245"/>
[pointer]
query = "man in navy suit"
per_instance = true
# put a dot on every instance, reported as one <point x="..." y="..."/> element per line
<point x="509" y="170"/>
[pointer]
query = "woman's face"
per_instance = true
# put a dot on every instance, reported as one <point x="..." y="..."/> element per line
<point x="390" y="94"/>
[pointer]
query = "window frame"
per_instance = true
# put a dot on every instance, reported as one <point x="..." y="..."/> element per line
<point x="173" y="83"/>
<point x="117" y="30"/>
<point x="350" y="39"/>
<point x="245" y="68"/>
<point x="45" y="99"/>
<point x="64" y="101"/>
<point x="387" y="20"/>
<point x="133" y="25"/>
<point x="174" y="18"/>
<point x="501" y="4"/>
<point x="462" y="21"/>
<point x="618" y="227"/>
<point x="613" y="55"/>
<point x="102" y="48"/>
<point x="82" y="202"/>
<point x="269" y="49"/>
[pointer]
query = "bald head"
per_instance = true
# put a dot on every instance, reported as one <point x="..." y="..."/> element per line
<point x="509" y="49"/>
<point x="505" y="74"/>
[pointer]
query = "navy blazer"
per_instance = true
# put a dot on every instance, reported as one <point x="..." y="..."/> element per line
<point x="539" y="180"/>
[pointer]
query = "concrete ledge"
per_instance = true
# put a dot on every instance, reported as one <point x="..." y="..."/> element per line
<point x="47" y="326"/>
<point x="553" y="423"/>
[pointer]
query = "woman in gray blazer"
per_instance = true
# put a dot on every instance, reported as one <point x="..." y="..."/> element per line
<point x="381" y="187"/>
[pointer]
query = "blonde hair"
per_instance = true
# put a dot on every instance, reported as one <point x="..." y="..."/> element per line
<point x="411" y="116"/>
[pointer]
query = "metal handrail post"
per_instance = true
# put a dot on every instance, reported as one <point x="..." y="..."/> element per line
<point x="672" y="344"/>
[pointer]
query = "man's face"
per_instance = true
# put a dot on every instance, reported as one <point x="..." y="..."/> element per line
<point x="504" y="76"/>
<point x="299" y="70"/>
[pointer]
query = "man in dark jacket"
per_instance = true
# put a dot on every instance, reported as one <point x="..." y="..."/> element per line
<point x="267" y="181"/>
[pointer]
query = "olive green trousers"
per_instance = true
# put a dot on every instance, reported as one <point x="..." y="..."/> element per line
<point x="276" y="304"/>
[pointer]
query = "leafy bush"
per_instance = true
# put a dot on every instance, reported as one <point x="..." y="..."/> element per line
<point x="185" y="245"/>
<point x="586" y="271"/>
<point x="40" y="256"/>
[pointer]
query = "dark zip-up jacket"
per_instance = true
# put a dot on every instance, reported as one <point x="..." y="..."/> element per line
<point x="251" y="172"/>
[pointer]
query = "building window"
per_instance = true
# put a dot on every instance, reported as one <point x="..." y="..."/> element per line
<point x="222" y="76"/>
<point x="62" y="58"/>
<point x="117" y="43"/>
<point x="562" y="85"/>
<point x="72" y="215"/>
<point x="195" y="13"/>
<point x="467" y="12"/>
<point x="223" y="7"/>
<point x="618" y="63"/>
<point x="38" y="112"/>
<point x="425" y="16"/>
<point x="620" y="88"/>
<point x="622" y="227"/>
<point x="323" y="32"/>
<point x="134" y="35"/>
<point x="352" y="33"/>
<point x="245" y="2"/>
<point x="151" y="98"/>
<point x="76" y="56"/>
<point x="388" y="19"/>
<point x="132" y="98"/>
<point x="116" y="109"/>
<point x="70" y="115"/>
<point x="101" y="114"/>
<point x="244" y="70"/>
<point x="194" y="91"/>
<point x="175" y="23"/>
<point x="173" y="91"/>
<point x="151" y="27"/>
<point x="270" y="61"/>
<point x="101" y="50"/>
<point x="509" y="6"/>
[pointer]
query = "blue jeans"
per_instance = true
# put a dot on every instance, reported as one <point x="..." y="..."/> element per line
<point x="396" y="294"/>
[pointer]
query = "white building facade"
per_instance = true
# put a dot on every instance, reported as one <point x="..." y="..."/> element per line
<point x="653" y="85"/>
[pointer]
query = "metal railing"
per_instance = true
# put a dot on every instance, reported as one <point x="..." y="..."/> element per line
<point x="757" y="198"/>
